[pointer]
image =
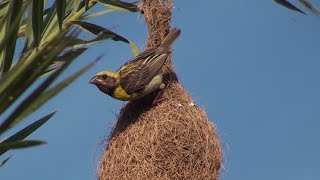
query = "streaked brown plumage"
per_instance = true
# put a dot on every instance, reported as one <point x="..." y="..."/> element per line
<point x="139" y="76"/>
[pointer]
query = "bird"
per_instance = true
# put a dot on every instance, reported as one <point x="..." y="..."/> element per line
<point x="139" y="76"/>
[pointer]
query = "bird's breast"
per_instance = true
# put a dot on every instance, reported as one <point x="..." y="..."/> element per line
<point x="120" y="94"/>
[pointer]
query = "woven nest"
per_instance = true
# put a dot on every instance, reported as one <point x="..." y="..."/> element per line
<point x="163" y="136"/>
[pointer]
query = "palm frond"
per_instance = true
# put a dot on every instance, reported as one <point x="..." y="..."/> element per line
<point x="51" y="44"/>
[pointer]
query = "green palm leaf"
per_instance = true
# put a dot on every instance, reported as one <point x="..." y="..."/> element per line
<point x="50" y="47"/>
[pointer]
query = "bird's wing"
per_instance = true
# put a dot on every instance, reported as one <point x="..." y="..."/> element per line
<point x="138" y="72"/>
<point x="138" y="58"/>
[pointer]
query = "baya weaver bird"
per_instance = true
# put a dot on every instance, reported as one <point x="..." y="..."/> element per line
<point x="139" y="76"/>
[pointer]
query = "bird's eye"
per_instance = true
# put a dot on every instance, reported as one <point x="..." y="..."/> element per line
<point x="104" y="76"/>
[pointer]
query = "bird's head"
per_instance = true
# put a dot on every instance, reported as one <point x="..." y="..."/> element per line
<point x="106" y="81"/>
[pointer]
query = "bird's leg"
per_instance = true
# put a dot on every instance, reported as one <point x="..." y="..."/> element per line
<point x="158" y="97"/>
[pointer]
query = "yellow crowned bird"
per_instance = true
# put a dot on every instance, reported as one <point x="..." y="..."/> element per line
<point x="139" y="76"/>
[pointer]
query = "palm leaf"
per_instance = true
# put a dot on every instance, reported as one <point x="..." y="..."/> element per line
<point x="28" y="71"/>
<point x="102" y="32"/>
<point x="4" y="161"/>
<point x="50" y="46"/>
<point x="309" y="6"/>
<point x="10" y="29"/>
<point x="288" y="5"/>
<point x="25" y="132"/>
<point x="19" y="144"/>
<point x="61" y="8"/>
<point x="119" y="5"/>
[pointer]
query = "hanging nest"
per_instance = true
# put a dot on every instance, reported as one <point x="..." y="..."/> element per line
<point x="163" y="135"/>
<point x="172" y="140"/>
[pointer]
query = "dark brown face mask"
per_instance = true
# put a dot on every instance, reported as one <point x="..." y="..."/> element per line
<point x="105" y="83"/>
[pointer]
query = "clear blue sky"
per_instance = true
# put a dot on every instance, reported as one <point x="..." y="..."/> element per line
<point x="253" y="66"/>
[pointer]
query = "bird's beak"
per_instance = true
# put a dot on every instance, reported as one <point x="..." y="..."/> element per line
<point x="93" y="80"/>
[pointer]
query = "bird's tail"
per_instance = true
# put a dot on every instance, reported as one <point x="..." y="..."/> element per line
<point x="170" y="38"/>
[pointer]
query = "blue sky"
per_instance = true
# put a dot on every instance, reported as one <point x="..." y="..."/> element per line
<point x="252" y="65"/>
